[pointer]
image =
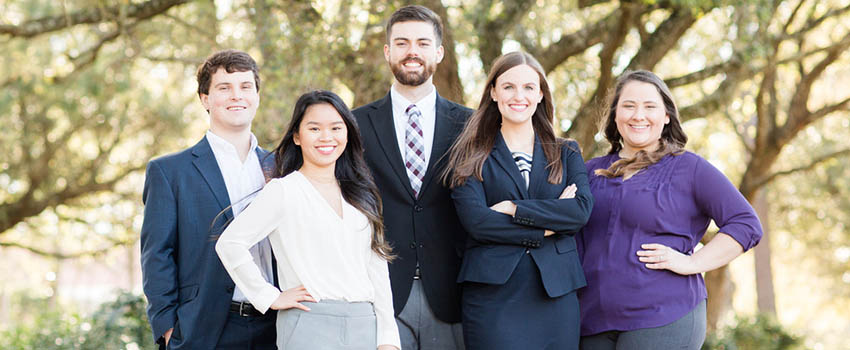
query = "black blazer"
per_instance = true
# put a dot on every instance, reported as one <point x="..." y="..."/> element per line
<point x="497" y="241"/>
<point x="184" y="281"/>
<point x="426" y="228"/>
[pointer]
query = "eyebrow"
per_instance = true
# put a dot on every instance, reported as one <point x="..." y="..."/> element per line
<point x="634" y="101"/>
<point x="401" y="38"/>
<point x="334" y="123"/>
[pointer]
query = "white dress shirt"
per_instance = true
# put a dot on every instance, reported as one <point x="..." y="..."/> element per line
<point x="243" y="181"/>
<point x="315" y="247"/>
<point x="427" y="106"/>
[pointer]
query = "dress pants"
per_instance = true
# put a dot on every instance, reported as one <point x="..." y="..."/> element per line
<point x="420" y="329"/>
<point x="329" y="325"/>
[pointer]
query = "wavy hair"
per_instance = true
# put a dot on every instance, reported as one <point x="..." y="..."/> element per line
<point x="673" y="138"/>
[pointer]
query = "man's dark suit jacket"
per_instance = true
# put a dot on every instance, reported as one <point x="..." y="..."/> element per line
<point x="185" y="283"/>
<point x="427" y="227"/>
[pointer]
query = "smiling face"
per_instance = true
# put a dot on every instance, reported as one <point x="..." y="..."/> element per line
<point x="322" y="136"/>
<point x="413" y="52"/>
<point x="232" y="100"/>
<point x="517" y="93"/>
<point x="640" y="117"/>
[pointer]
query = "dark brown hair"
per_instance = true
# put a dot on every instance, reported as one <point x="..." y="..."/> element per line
<point x="355" y="180"/>
<point x="231" y="61"/>
<point x="473" y="146"/>
<point x="418" y="14"/>
<point x="673" y="138"/>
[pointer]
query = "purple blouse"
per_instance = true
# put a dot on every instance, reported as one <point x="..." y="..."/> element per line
<point x="670" y="202"/>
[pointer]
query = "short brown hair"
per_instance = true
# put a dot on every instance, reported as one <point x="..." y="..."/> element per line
<point x="416" y="13"/>
<point x="232" y="61"/>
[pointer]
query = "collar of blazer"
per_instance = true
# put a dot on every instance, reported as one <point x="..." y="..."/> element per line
<point x="206" y="164"/>
<point x="502" y="155"/>
<point x="381" y="118"/>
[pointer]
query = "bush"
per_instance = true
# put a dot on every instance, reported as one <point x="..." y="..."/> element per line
<point x="753" y="333"/>
<point x="118" y="324"/>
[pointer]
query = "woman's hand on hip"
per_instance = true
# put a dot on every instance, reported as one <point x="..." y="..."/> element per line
<point x="661" y="257"/>
<point x="292" y="298"/>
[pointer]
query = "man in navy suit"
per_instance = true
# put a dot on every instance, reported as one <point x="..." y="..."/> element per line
<point x="192" y="302"/>
<point x="405" y="135"/>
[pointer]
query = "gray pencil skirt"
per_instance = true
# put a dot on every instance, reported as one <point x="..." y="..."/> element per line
<point x="330" y="324"/>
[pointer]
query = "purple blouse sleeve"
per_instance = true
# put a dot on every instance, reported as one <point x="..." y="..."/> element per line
<point x="720" y="199"/>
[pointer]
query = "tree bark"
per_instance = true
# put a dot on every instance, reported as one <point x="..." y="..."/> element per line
<point x="764" y="272"/>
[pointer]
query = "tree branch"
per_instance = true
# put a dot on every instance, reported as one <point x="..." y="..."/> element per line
<point x="575" y="43"/>
<point x="811" y="165"/>
<point x="62" y="256"/>
<point x="145" y="10"/>
<point x="813" y="23"/>
<point x="663" y="39"/>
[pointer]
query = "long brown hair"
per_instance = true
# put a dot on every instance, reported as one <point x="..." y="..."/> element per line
<point x="673" y="138"/>
<point x="355" y="179"/>
<point x="473" y="146"/>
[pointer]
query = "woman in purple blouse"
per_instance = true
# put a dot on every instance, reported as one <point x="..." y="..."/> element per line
<point x="654" y="201"/>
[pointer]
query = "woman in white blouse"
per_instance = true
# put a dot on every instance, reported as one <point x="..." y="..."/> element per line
<point x="322" y="214"/>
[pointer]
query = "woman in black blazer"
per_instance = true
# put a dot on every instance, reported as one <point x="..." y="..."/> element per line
<point x="521" y="193"/>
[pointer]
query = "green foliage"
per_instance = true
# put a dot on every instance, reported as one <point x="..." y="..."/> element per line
<point x="118" y="324"/>
<point x="753" y="333"/>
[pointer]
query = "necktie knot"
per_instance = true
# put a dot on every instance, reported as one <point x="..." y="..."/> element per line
<point x="412" y="111"/>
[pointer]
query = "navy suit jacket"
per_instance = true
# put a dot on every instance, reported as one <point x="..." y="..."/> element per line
<point x="498" y="241"/>
<point x="184" y="281"/>
<point x="424" y="228"/>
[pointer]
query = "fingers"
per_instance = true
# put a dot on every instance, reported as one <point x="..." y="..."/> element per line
<point x="300" y="306"/>
<point x="656" y="255"/>
<point x="569" y="192"/>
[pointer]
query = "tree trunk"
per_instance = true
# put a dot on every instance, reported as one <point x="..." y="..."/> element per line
<point x="720" y="290"/>
<point x="764" y="273"/>
<point x="446" y="77"/>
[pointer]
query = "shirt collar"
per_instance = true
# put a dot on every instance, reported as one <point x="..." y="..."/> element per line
<point x="219" y="144"/>
<point x="426" y="103"/>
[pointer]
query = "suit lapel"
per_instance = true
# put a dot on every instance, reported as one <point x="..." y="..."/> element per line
<point x="503" y="157"/>
<point x="208" y="167"/>
<point x="539" y="173"/>
<point x="444" y="116"/>
<point x="382" y="123"/>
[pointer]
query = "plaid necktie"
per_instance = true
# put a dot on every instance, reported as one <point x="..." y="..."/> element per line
<point x="414" y="152"/>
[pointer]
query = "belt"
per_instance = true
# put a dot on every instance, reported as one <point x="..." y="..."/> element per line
<point x="244" y="309"/>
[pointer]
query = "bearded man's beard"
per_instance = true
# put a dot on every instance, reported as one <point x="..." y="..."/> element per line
<point x="412" y="78"/>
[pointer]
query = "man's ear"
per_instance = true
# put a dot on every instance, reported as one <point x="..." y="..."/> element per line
<point x="205" y="100"/>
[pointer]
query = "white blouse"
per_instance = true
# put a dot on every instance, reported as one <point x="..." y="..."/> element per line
<point x="330" y="255"/>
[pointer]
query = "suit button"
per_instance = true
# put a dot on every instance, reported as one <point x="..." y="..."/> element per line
<point x="230" y="289"/>
<point x="417" y="208"/>
<point x="412" y="245"/>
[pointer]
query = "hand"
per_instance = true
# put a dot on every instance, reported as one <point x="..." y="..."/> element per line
<point x="548" y="233"/>
<point x="569" y="192"/>
<point x="167" y="335"/>
<point x="291" y="298"/>
<point x="661" y="257"/>
<point x="505" y="207"/>
<point x="387" y="347"/>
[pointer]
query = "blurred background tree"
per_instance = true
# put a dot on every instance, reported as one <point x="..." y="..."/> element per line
<point x="94" y="89"/>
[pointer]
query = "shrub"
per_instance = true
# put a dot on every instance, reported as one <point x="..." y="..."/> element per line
<point x="118" y="324"/>
<point x="753" y="333"/>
